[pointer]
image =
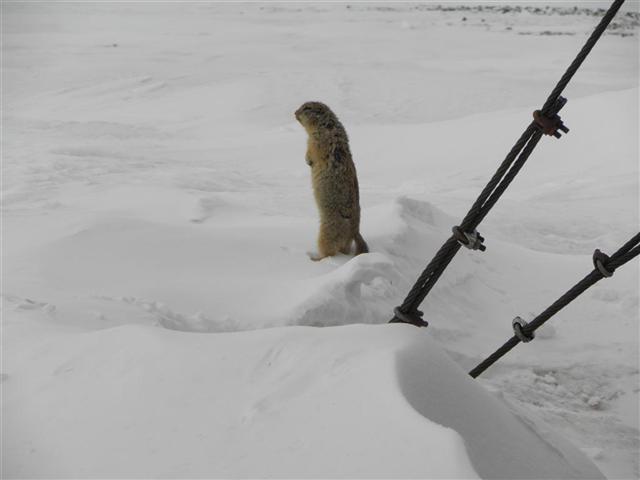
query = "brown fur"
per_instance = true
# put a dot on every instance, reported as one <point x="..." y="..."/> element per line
<point x="334" y="180"/>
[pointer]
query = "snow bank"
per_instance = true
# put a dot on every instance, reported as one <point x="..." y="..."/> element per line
<point x="157" y="216"/>
<point x="137" y="401"/>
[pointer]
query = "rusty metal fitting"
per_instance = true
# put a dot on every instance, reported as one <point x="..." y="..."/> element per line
<point x="551" y="123"/>
<point x="471" y="240"/>
<point x="413" y="318"/>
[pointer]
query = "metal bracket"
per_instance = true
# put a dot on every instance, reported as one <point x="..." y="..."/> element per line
<point x="599" y="261"/>
<point x="518" y="324"/>
<point x="414" y="318"/>
<point x="473" y="240"/>
<point x="552" y="123"/>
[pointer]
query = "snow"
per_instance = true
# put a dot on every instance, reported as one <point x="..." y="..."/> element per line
<point x="158" y="301"/>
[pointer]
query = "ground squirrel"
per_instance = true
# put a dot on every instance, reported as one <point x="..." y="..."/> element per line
<point x="335" y="184"/>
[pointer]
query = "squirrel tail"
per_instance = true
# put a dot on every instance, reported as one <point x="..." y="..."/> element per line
<point x="361" y="245"/>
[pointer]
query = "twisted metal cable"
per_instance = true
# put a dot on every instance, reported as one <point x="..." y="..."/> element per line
<point x="506" y="180"/>
<point x="582" y="55"/>
<point x="624" y="254"/>
<point x="502" y="178"/>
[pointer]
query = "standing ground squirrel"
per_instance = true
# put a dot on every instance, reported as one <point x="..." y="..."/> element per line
<point x="335" y="184"/>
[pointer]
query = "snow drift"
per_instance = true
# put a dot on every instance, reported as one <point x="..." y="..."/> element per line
<point x="294" y="402"/>
<point x="157" y="298"/>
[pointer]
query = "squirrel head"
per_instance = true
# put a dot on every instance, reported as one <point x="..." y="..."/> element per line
<point x="314" y="116"/>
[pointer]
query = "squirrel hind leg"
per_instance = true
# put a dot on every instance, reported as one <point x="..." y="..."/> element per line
<point x="330" y="241"/>
<point x="346" y="248"/>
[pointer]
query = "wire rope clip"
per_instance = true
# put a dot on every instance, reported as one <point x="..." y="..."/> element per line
<point x="599" y="261"/>
<point x="473" y="240"/>
<point x="414" y="318"/>
<point x="551" y="123"/>
<point x="518" y="325"/>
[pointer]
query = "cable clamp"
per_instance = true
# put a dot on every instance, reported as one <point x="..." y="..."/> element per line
<point x="473" y="240"/>
<point x="414" y="318"/>
<point x="551" y="123"/>
<point x="599" y="261"/>
<point x="518" y="325"/>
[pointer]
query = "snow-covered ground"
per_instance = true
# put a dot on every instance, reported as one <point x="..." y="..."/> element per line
<point x="157" y="213"/>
